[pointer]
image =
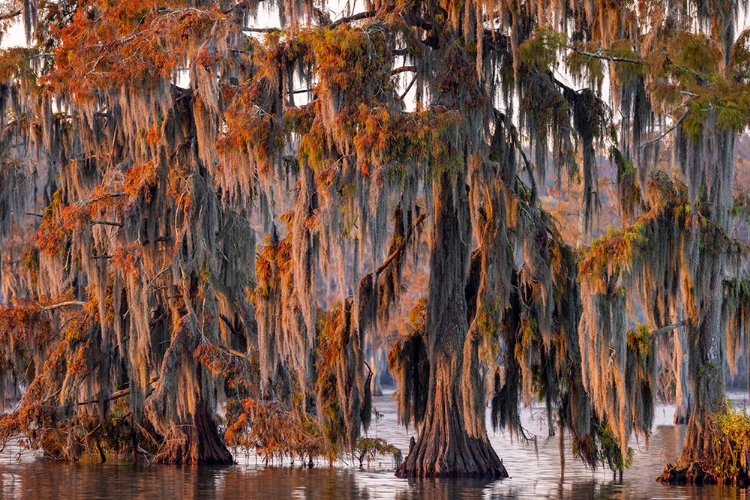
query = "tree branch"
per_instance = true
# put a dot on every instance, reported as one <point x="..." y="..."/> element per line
<point x="403" y="69"/>
<point x="513" y="133"/>
<point x="400" y="248"/>
<point x="231" y="327"/>
<point x="115" y="395"/>
<point x="10" y="15"/>
<point x="261" y="30"/>
<point x="70" y="303"/>
<point x="343" y="20"/>
<point x="355" y="17"/>
<point x="599" y="55"/>
<point x="669" y="328"/>
<point x="106" y="223"/>
<point x="408" y="87"/>
<point x="662" y="136"/>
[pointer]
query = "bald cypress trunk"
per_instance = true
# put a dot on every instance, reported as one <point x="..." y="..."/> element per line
<point x="712" y="156"/>
<point x="683" y="399"/>
<point x="445" y="446"/>
<point x="195" y="442"/>
<point x="707" y="385"/>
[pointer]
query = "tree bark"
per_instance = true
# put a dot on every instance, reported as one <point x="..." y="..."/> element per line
<point x="197" y="442"/>
<point x="445" y="447"/>
<point x="683" y="399"/>
<point x="706" y="383"/>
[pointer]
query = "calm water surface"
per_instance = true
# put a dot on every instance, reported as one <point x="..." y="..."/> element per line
<point x="535" y="473"/>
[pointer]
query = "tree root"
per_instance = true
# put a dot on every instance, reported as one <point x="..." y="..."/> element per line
<point x="696" y="473"/>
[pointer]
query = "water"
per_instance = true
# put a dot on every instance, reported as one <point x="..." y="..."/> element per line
<point x="534" y="474"/>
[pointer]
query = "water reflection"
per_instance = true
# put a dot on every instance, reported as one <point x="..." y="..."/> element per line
<point x="56" y="481"/>
<point x="533" y="475"/>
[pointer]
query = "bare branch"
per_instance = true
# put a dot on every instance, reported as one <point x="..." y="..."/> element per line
<point x="408" y="87"/>
<point x="600" y="55"/>
<point x="343" y="20"/>
<point x="261" y="30"/>
<point x="106" y="223"/>
<point x="355" y="17"/>
<point x="70" y="303"/>
<point x="662" y="136"/>
<point x="669" y="328"/>
<point x="403" y="69"/>
<point x="115" y="395"/>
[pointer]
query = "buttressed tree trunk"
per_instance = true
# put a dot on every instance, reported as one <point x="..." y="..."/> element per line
<point x="445" y="447"/>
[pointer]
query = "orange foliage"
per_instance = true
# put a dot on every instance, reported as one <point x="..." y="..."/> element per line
<point x="111" y="43"/>
<point x="141" y="179"/>
<point x="51" y="236"/>
<point x="178" y="188"/>
<point x="273" y="430"/>
<point x="273" y="267"/>
<point x="240" y="372"/>
<point x="24" y="324"/>
<point x="127" y="258"/>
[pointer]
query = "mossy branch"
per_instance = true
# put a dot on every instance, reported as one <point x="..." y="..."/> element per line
<point x="115" y="395"/>
<point x="69" y="303"/>
<point x="401" y="247"/>
<point x="666" y="133"/>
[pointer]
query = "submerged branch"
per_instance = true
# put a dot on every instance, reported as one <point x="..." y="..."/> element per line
<point x="261" y="30"/>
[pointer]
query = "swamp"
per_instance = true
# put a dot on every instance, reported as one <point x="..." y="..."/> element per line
<point x="229" y="227"/>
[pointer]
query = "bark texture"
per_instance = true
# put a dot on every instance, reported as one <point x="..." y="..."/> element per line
<point x="446" y="447"/>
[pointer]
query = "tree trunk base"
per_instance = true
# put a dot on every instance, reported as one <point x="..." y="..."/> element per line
<point x="694" y="474"/>
<point x="197" y="443"/>
<point x="476" y="459"/>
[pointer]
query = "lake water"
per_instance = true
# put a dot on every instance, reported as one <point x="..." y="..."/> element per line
<point x="534" y="474"/>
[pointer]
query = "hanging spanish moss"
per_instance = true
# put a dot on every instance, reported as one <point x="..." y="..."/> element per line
<point x="209" y="218"/>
